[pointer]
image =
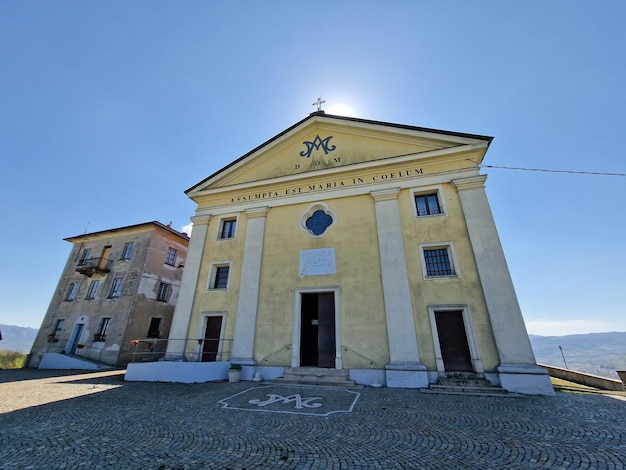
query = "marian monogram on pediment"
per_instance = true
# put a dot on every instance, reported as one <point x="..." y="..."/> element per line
<point x="316" y="144"/>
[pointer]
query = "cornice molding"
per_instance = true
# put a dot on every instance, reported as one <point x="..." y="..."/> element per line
<point x="203" y="219"/>
<point x="257" y="212"/>
<point x="385" y="194"/>
<point x="472" y="182"/>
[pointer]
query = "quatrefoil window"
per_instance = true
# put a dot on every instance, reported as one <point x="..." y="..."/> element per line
<point x="317" y="220"/>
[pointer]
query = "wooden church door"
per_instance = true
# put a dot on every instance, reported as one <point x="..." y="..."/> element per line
<point x="455" y="350"/>
<point x="317" y="330"/>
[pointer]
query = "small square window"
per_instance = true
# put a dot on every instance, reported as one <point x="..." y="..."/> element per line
<point x="219" y="276"/>
<point x="228" y="228"/>
<point x="438" y="260"/>
<point x="162" y="292"/>
<point x="71" y="292"/>
<point x="171" y="257"/>
<point x="128" y="249"/>
<point x="428" y="201"/>
<point x="427" y="204"/>
<point x="116" y="288"/>
<point x="93" y="288"/>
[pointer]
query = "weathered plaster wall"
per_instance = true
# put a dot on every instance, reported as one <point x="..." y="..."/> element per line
<point x="128" y="313"/>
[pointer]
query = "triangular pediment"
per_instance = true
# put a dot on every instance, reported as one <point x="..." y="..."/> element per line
<point x="322" y="141"/>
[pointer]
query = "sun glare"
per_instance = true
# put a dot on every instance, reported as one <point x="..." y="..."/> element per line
<point x="341" y="109"/>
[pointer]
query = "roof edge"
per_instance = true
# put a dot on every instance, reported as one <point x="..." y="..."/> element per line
<point x="118" y="229"/>
<point x="322" y="114"/>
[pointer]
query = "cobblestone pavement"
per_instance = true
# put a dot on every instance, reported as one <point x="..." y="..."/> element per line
<point x="61" y="419"/>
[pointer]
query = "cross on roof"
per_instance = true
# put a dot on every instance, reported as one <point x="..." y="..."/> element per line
<point x="319" y="103"/>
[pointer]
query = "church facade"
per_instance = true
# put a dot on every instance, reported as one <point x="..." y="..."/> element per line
<point x="359" y="245"/>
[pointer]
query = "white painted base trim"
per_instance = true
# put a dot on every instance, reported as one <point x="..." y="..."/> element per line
<point x="61" y="361"/>
<point x="526" y="379"/>
<point x="179" y="372"/>
<point x="247" y="372"/>
<point x="194" y="372"/>
<point x="368" y="376"/>
<point x="268" y="372"/>
<point x="407" y="379"/>
<point x="406" y="375"/>
<point x="412" y="375"/>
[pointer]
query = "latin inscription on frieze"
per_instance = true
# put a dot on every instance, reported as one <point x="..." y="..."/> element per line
<point x="328" y="185"/>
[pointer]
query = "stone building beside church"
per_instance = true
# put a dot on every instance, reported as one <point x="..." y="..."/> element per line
<point x="118" y="285"/>
<point x="356" y="245"/>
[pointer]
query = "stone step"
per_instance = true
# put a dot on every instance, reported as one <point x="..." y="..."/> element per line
<point x="317" y="371"/>
<point x="482" y="390"/>
<point x="320" y="383"/>
<point x="468" y="388"/>
<point x="476" y="382"/>
<point x="316" y="376"/>
<point x="482" y="393"/>
<point x="467" y="383"/>
<point x="461" y="375"/>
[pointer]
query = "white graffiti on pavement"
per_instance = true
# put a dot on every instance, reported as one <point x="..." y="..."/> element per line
<point x="300" y="402"/>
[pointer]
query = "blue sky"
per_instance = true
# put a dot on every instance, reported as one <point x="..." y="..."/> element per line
<point x="110" y="110"/>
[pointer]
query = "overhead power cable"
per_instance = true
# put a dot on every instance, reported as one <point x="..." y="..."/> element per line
<point x="597" y="173"/>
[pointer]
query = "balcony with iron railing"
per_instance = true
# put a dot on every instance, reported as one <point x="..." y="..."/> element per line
<point x="92" y="266"/>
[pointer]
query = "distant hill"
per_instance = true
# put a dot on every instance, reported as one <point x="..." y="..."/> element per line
<point x="594" y="353"/>
<point x="17" y="338"/>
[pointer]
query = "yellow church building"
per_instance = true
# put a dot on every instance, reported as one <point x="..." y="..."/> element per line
<point x="354" y="245"/>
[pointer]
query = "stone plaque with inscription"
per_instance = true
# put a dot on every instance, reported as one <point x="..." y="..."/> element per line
<point x="317" y="262"/>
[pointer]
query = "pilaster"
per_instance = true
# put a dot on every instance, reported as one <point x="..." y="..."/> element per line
<point x="404" y="369"/>
<point x="182" y="312"/>
<point x="247" y="303"/>
<point x="518" y="368"/>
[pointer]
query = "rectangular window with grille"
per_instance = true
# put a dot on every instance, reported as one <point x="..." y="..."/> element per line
<point x="437" y="262"/>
